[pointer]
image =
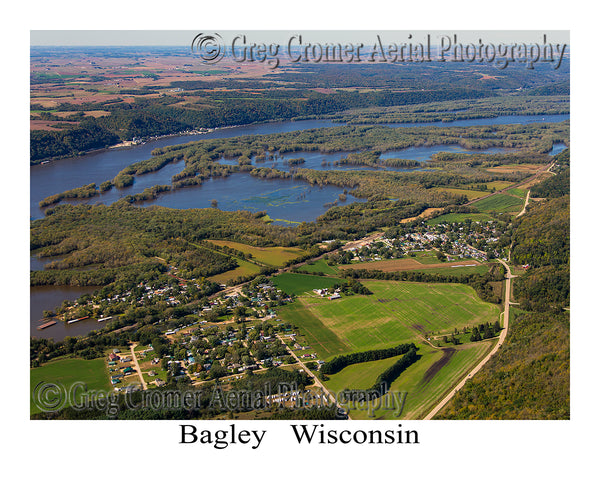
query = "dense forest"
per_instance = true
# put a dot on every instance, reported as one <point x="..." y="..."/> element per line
<point x="528" y="379"/>
<point x="121" y="240"/>
<point x="151" y="117"/>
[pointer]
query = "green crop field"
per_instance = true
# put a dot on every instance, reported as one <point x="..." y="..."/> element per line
<point x="459" y="218"/>
<point x="64" y="372"/>
<point x="397" y="312"/>
<point x="499" y="203"/>
<point x="425" y="382"/>
<point x="273" y="256"/>
<point x="319" y="266"/>
<point x="519" y="192"/>
<point x="297" y="283"/>
<point x="325" y="342"/>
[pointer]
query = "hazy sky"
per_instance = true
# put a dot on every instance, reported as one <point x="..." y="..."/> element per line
<point x="184" y="37"/>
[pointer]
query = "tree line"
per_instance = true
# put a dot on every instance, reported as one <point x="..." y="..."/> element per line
<point x="340" y="362"/>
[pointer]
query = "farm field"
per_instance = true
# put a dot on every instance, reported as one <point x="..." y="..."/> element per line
<point x="499" y="203"/>
<point x="402" y="264"/>
<point x="397" y="312"/>
<point x="319" y="266"/>
<point x="425" y="382"/>
<point x="519" y="192"/>
<point x="273" y="256"/>
<point x="323" y="340"/>
<point x="459" y="218"/>
<point x="244" y="268"/>
<point x="458" y="271"/>
<point x="67" y="371"/>
<point x="470" y="194"/>
<point x="425" y="214"/>
<point x="519" y="167"/>
<point x="297" y="283"/>
<point x="498" y="184"/>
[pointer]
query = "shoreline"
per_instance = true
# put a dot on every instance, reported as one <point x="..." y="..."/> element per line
<point x="129" y="143"/>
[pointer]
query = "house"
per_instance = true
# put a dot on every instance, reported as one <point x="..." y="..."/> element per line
<point x="159" y="382"/>
<point x="113" y="357"/>
<point x="127" y="370"/>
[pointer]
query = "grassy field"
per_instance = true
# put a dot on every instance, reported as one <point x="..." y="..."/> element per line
<point x="456" y="271"/>
<point x="324" y="341"/>
<point x="245" y="268"/>
<point x="319" y="266"/>
<point x="272" y="256"/>
<point x="498" y="184"/>
<point x="411" y="264"/>
<point x="499" y="203"/>
<point x="65" y="372"/>
<point x="519" y="167"/>
<point x="425" y="382"/>
<point x="459" y="217"/>
<point x="397" y="312"/>
<point x="519" y="192"/>
<point x="297" y="283"/>
<point x="428" y="257"/>
<point x="470" y="194"/>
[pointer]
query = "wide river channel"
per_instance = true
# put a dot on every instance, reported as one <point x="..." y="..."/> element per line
<point x="283" y="199"/>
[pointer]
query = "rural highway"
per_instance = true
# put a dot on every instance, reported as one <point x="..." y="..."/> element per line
<point x="501" y="340"/>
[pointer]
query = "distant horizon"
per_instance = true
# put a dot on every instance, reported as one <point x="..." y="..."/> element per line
<point x="182" y="38"/>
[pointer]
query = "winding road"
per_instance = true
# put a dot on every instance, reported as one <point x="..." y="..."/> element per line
<point x="496" y="347"/>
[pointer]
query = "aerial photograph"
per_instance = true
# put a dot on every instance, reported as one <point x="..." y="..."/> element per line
<point x="299" y="225"/>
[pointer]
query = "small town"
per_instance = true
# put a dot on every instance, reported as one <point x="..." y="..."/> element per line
<point x="477" y="240"/>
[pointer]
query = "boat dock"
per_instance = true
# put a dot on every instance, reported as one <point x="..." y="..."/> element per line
<point x="46" y="325"/>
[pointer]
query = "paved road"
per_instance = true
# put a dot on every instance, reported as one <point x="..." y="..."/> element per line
<point x="501" y="340"/>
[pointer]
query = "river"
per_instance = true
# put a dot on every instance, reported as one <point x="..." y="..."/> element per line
<point x="48" y="298"/>
<point x="285" y="199"/>
<point x="61" y="175"/>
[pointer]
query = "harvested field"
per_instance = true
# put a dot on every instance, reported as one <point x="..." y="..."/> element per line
<point x="402" y="264"/>
<point x="425" y="214"/>
<point x="521" y="167"/>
